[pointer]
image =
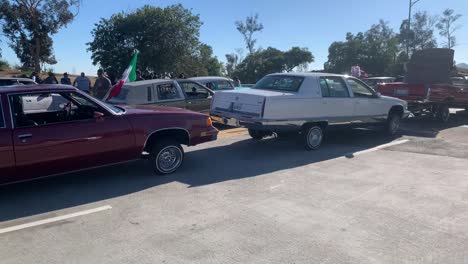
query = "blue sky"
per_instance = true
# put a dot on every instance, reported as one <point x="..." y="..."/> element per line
<point x="314" y="24"/>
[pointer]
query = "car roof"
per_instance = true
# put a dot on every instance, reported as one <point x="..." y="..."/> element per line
<point x="209" y="78"/>
<point x="35" y="88"/>
<point x="14" y="78"/>
<point x="308" y="74"/>
<point x="146" y="82"/>
<point x="379" y="78"/>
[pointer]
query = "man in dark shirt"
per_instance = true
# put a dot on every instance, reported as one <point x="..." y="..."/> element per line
<point x="65" y="79"/>
<point x="101" y="86"/>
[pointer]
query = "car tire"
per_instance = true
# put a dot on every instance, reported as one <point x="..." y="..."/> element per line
<point x="257" y="134"/>
<point x="443" y="114"/>
<point x="312" y="137"/>
<point x="166" y="157"/>
<point x="393" y="124"/>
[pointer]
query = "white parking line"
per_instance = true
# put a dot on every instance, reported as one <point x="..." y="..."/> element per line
<point x="54" y="219"/>
<point x="379" y="147"/>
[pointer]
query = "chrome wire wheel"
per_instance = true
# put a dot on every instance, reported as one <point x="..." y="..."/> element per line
<point x="169" y="159"/>
<point x="394" y="124"/>
<point x="313" y="137"/>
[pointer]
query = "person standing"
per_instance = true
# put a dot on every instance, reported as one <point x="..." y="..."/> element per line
<point x="101" y="86"/>
<point x="237" y="82"/>
<point x="139" y="77"/>
<point x="51" y="79"/>
<point x="82" y="82"/>
<point x="35" y="77"/>
<point x="65" y="79"/>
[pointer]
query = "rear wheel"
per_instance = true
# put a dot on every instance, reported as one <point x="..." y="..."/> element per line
<point x="443" y="114"/>
<point x="393" y="124"/>
<point x="166" y="156"/>
<point x="312" y="137"/>
<point x="257" y="134"/>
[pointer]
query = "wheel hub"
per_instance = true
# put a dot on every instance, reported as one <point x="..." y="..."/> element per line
<point x="169" y="158"/>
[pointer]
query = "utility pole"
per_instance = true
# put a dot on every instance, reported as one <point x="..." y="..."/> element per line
<point x="411" y="4"/>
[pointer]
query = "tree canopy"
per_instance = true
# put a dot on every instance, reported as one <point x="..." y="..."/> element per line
<point x="29" y="24"/>
<point x="446" y="26"/>
<point x="167" y="39"/>
<point x="247" y="29"/>
<point x="271" y="60"/>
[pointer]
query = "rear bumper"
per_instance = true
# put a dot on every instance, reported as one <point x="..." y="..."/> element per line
<point x="205" y="136"/>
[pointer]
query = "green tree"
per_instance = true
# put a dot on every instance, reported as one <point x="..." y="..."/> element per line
<point x="231" y="64"/>
<point x="248" y="29"/>
<point x="29" y="24"/>
<point x="167" y="38"/>
<point x="375" y="51"/>
<point x="446" y="26"/>
<point x="271" y="60"/>
<point x="421" y="34"/>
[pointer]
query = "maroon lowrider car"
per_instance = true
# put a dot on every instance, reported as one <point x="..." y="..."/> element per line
<point x="52" y="129"/>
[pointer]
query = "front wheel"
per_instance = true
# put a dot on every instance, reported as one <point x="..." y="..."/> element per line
<point x="393" y="124"/>
<point x="166" y="157"/>
<point x="443" y="114"/>
<point x="312" y="137"/>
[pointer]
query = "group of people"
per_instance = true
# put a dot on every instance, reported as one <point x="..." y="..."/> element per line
<point x="82" y="82"/>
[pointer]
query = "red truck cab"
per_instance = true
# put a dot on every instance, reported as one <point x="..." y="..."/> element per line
<point x="53" y="129"/>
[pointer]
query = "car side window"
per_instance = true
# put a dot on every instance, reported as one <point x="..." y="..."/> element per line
<point x="51" y="108"/>
<point x="225" y="85"/>
<point x="2" y="116"/>
<point x="168" y="91"/>
<point x="333" y="87"/>
<point x="194" y="90"/>
<point x="359" y="89"/>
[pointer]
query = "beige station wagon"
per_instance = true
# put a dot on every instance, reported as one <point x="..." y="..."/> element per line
<point x="164" y="92"/>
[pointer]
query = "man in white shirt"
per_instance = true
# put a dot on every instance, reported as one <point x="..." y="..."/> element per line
<point x="82" y="82"/>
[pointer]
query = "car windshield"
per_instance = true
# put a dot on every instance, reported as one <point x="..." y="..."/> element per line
<point x="280" y="83"/>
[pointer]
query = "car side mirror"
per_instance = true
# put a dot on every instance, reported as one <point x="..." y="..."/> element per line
<point x="98" y="115"/>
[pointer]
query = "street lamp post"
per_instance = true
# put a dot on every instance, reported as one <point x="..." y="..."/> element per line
<point x="411" y="4"/>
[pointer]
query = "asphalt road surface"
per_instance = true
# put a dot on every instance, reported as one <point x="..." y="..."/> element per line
<point x="362" y="198"/>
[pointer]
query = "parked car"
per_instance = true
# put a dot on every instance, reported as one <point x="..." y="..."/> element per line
<point x="176" y="93"/>
<point x="374" y="81"/>
<point x="215" y="83"/>
<point x="47" y="130"/>
<point x="307" y="103"/>
<point x="16" y="81"/>
<point x="429" y="88"/>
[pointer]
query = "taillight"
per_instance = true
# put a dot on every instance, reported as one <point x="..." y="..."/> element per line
<point x="209" y="122"/>
<point x="428" y="94"/>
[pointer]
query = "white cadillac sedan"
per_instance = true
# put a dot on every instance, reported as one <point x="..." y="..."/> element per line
<point x="307" y="103"/>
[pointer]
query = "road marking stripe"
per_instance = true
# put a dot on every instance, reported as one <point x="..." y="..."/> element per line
<point x="54" y="219"/>
<point x="379" y="147"/>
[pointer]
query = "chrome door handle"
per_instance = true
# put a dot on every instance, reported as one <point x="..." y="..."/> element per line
<point x="23" y="136"/>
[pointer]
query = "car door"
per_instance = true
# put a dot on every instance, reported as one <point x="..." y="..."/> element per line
<point x="336" y="102"/>
<point x="44" y="146"/>
<point x="169" y="94"/>
<point x="198" y="97"/>
<point x="367" y="105"/>
<point x="7" y="156"/>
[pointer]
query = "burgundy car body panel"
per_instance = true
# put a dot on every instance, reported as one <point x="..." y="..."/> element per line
<point x="7" y="155"/>
<point x="69" y="146"/>
<point x="56" y="148"/>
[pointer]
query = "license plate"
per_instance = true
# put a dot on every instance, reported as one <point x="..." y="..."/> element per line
<point x="237" y="107"/>
<point x="401" y="92"/>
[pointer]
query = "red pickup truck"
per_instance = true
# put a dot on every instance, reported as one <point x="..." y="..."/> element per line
<point x="52" y="129"/>
<point x="429" y="89"/>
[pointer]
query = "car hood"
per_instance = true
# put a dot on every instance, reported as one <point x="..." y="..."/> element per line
<point x="152" y="109"/>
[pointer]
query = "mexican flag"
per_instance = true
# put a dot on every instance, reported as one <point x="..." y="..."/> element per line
<point x="129" y="75"/>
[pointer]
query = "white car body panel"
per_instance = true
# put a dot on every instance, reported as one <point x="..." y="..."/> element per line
<point x="267" y="107"/>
